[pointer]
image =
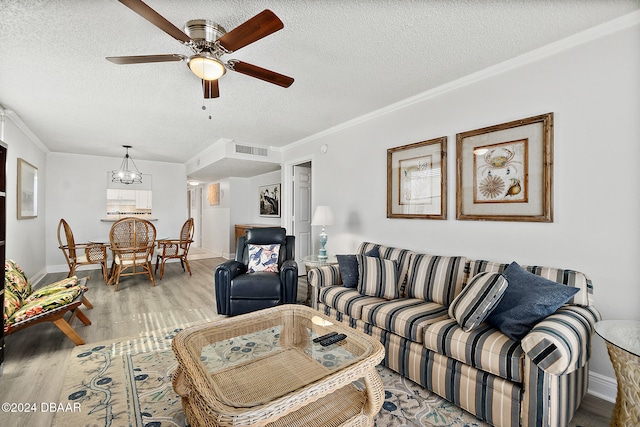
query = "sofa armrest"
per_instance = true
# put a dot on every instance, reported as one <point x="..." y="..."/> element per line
<point x="328" y="275"/>
<point x="561" y="343"/>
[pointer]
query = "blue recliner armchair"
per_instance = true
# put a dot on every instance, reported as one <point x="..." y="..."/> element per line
<point x="240" y="291"/>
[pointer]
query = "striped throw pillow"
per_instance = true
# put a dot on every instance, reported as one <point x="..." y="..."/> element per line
<point x="477" y="300"/>
<point x="435" y="278"/>
<point x="377" y="277"/>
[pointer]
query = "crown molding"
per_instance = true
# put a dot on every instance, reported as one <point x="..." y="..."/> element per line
<point x="13" y="116"/>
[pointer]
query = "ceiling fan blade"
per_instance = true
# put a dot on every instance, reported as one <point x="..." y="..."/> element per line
<point x="143" y="59"/>
<point x="261" y="73"/>
<point x="156" y="19"/>
<point x="210" y="89"/>
<point x="261" y="25"/>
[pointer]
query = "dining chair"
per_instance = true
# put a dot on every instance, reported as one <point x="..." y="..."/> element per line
<point x="176" y="248"/>
<point x="132" y="242"/>
<point x="80" y="253"/>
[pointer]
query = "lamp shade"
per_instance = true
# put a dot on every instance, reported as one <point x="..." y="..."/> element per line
<point x="323" y="216"/>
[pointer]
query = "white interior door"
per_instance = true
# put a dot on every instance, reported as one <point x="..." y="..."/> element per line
<point x="302" y="213"/>
<point x="195" y="211"/>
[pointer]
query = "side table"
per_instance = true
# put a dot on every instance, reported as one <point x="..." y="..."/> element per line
<point x="312" y="261"/>
<point x="623" y="343"/>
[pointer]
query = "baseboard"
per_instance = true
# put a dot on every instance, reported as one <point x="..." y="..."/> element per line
<point x="64" y="268"/>
<point x="602" y="387"/>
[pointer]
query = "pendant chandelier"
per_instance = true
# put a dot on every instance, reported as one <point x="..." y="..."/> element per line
<point x="125" y="175"/>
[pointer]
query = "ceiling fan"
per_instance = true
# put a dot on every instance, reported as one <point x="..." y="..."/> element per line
<point x="209" y="42"/>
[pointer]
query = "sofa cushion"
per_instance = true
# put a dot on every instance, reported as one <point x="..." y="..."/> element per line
<point x="12" y="303"/>
<point x="15" y="279"/>
<point x="348" y="270"/>
<point x="485" y="348"/>
<point x="404" y="317"/>
<point x="477" y="300"/>
<point x="263" y="258"/>
<point x="377" y="277"/>
<point x="403" y="256"/>
<point x="528" y="300"/>
<point x="261" y="285"/>
<point x="435" y="278"/>
<point x="53" y="288"/>
<point x="571" y="278"/>
<point x="346" y="300"/>
<point x="45" y="304"/>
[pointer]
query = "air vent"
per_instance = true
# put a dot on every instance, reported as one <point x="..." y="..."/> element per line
<point x="255" y="151"/>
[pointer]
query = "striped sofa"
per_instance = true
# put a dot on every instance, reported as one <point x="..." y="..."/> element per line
<point x="537" y="381"/>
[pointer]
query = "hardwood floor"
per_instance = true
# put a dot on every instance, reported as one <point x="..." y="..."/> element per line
<point x="36" y="358"/>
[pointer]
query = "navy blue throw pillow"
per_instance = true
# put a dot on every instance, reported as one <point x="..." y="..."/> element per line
<point x="375" y="252"/>
<point x="529" y="298"/>
<point x="348" y="270"/>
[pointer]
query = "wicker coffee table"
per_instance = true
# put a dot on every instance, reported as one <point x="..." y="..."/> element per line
<point x="263" y="369"/>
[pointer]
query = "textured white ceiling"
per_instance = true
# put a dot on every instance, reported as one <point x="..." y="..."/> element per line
<point x="348" y="58"/>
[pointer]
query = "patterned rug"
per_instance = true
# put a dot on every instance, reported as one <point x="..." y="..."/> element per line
<point x="128" y="383"/>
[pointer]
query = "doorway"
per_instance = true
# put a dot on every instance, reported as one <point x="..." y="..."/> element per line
<point x="299" y="221"/>
<point x="194" y="206"/>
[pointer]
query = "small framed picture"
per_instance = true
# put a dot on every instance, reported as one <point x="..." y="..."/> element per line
<point x="504" y="172"/>
<point x="27" y="190"/>
<point x="270" y="201"/>
<point x="214" y="194"/>
<point x="417" y="180"/>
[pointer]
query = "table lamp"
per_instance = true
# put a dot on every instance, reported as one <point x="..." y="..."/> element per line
<point x="322" y="216"/>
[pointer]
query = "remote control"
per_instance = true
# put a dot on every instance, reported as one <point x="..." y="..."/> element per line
<point x="324" y="337"/>
<point x="332" y="340"/>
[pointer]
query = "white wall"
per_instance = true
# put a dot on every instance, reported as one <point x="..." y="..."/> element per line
<point x="593" y="88"/>
<point x="216" y="219"/>
<point x="77" y="192"/>
<point x="239" y="204"/>
<point x="270" y="179"/>
<point x="24" y="236"/>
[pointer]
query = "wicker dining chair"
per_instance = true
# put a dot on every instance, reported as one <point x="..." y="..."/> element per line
<point x="80" y="253"/>
<point x="132" y="243"/>
<point x="176" y="248"/>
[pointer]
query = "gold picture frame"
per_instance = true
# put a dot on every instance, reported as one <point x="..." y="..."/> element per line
<point x="417" y="180"/>
<point x="505" y="172"/>
<point x="27" y="190"/>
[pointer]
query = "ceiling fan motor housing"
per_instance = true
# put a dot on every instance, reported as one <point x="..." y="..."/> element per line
<point x="204" y="33"/>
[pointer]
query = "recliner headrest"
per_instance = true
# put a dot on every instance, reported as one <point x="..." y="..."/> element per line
<point x="265" y="236"/>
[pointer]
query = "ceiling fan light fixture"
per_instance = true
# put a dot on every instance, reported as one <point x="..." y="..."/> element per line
<point x="206" y="66"/>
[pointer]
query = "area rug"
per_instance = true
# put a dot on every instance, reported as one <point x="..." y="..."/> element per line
<point x="128" y="383"/>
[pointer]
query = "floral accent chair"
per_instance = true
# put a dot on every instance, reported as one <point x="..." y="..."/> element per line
<point x="24" y="307"/>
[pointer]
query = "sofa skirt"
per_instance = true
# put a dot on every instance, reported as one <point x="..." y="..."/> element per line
<point x="485" y="395"/>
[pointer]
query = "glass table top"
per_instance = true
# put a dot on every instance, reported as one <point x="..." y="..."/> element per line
<point x="254" y="359"/>
<point x="621" y="333"/>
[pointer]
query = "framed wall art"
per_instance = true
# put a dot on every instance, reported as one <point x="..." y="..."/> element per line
<point x="214" y="194"/>
<point x="270" y="201"/>
<point x="27" y="190"/>
<point x="504" y="172"/>
<point x="417" y="180"/>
